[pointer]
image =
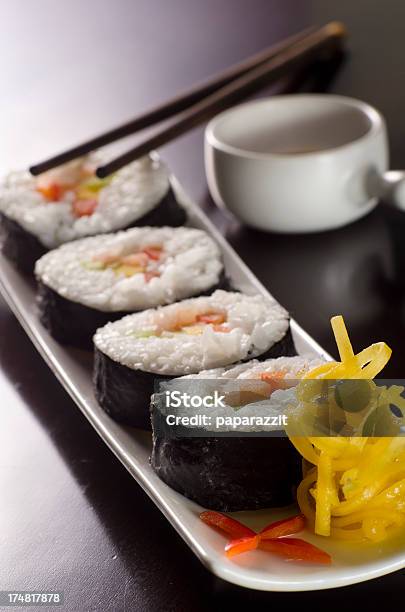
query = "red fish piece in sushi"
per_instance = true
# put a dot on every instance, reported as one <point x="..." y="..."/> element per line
<point x="221" y="328"/>
<point x="135" y="259"/>
<point x="84" y="208"/>
<point x="212" y="318"/>
<point x="51" y="192"/>
<point x="153" y="252"/>
<point x="188" y="320"/>
<point x="275" y="380"/>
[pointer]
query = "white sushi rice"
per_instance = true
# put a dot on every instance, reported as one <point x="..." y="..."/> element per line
<point x="222" y="417"/>
<point x="256" y="324"/>
<point x="134" y="191"/>
<point x="190" y="264"/>
<point x="294" y="367"/>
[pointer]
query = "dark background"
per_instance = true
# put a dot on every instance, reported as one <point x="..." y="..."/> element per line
<point x="71" y="516"/>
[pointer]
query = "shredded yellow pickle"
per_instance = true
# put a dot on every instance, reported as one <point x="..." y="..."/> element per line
<point x="354" y="487"/>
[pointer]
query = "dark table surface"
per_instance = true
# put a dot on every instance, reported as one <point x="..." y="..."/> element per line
<point x="71" y="516"/>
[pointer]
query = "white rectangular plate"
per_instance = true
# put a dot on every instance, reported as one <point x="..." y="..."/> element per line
<point x="257" y="570"/>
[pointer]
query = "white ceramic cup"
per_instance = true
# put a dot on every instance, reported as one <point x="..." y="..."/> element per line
<point x="300" y="163"/>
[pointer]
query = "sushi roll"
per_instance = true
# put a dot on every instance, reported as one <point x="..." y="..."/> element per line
<point x="183" y="338"/>
<point x="70" y="202"/>
<point x="86" y="283"/>
<point x="231" y="472"/>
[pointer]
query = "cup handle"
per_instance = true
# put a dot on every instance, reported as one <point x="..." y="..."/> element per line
<point x="389" y="187"/>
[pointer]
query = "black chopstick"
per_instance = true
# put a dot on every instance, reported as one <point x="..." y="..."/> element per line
<point x="294" y="56"/>
<point x="171" y="107"/>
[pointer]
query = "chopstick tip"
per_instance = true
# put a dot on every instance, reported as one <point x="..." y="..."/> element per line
<point x="337" y="28"/>
<point x="34" y="170"/>
<point x="101" y="172"/>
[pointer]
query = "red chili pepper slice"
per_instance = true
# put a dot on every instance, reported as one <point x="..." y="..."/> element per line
<point x="84" y="208"/>
<point x="269" y="539"/>
<point x="241" y="545"/>
<point x="295" y="549"/>
<point x="284" y="527"/>
<point x="227" y="524"/>
<point x="221" y="328"/>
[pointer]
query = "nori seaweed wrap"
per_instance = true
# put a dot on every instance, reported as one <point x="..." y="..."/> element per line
<point x="225" y="469"/>
<point x="229" y="473"/>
